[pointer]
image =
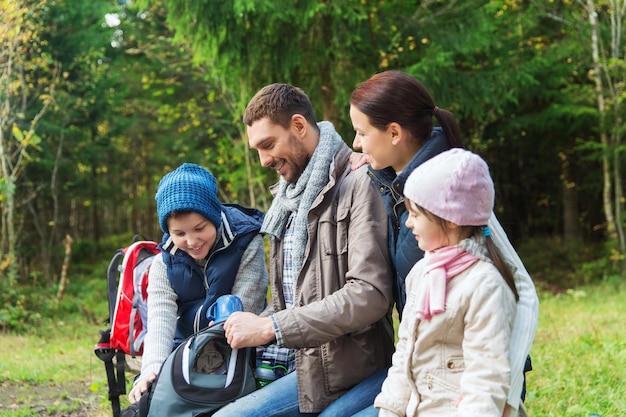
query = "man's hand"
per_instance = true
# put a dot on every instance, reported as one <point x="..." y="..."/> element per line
<point x="247" y="330"/>
<point x="357" y="160"/>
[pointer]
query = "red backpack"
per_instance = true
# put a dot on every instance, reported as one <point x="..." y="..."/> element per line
<point x="127" y="284"/>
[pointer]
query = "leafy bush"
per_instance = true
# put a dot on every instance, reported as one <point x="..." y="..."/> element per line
<point x="21" y="307"/>
<point x="28" y="306"/>
<point x="558" y="264"/>
<point x="88" y="251"/>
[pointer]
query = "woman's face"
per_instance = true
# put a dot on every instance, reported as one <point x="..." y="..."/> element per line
<point x="192" y="233"/>
<point x="376" y="143"/>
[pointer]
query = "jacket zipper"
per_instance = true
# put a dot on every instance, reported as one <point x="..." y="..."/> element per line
<point x="196" y="320"/>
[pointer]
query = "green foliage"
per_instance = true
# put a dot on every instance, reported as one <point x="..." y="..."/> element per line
<point x="164" y="86"/>
<point x="27" y="307"/>
<point x="19" y="311"/>
<point x="131" y="107"/>
<point x="89" y="252"/>
<point x="325" y="47"/>
<point x="557" y="264"/>
<point x="7" y="189"/>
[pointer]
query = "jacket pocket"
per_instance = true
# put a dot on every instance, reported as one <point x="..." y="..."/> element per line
<point x="333" y="231"/>
<point x="348" y="360"/>
<point x="455" y="364"/>
<point x="437" y="392"/>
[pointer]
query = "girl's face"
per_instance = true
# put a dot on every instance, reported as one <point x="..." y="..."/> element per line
<point x="376" y="143"/>
<point x="192" y="233"/>
<point x="429" y="233"/>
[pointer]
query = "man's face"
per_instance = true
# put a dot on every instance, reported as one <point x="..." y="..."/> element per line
<point x="278" y="148"/>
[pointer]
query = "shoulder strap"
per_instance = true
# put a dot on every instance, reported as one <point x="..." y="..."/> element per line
<point x="112" y="273"/>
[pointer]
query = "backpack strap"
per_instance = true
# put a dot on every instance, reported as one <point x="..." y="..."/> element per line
<point x="119" y="384"/>
<point x="131" y="333"/>
<point x="115" y="380"/>
<point x="112" y="273"/>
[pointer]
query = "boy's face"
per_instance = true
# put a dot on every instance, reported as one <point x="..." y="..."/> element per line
<point x="192" y="233"/>
<point x="278" y="148"/>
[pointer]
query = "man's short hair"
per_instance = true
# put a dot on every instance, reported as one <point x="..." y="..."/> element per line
<point x="279" y="102"/>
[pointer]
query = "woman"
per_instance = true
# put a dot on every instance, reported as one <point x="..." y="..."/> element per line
<point x="392" y="114"/>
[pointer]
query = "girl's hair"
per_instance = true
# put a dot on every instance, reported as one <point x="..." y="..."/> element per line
<point x="393" y="96"/>
<point x="478" y="232"/>
<point x="497" y="259"/>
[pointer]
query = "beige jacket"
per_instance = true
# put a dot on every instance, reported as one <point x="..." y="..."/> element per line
<point x="340" y="323"/>
<point x="460" y="353"/>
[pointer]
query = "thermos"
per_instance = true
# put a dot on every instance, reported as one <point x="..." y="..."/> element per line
<point x="264" y="374"/>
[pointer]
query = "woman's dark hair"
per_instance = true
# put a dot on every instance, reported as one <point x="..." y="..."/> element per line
<point x="394" y="96"/>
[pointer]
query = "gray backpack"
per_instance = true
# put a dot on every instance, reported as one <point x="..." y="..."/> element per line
<point x="201" y="375"/>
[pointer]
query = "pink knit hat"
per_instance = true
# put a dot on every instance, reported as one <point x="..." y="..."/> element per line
<point x="454" y="185"/>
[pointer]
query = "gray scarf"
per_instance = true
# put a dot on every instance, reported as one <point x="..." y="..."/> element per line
<point x="476" y="246"/>
<point x="299" y="196"/>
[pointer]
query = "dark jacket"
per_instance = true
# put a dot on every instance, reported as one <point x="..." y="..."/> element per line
<point x="198" y="288"/>
<point x="403" y="247"/>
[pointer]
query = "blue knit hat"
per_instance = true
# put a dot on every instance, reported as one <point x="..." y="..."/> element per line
<point x="188" y="188"/>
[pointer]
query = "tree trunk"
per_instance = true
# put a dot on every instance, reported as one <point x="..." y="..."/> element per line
<point x="95" y="218"/>
<point x="611" y="226"/>
<point x="617" y="16"/>
<point x="63" y="280"/>
<point x="571" y="224"/>
<point x="619" y="198"/>
<point x="329" y="111"/>
<point x="54" y="195"/>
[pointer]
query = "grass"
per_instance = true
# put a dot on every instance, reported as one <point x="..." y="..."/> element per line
<point x="55" y="373"/>
<point x="579" y="355"/>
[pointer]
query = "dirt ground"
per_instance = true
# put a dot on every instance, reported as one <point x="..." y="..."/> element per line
<point x="50" y="400"/>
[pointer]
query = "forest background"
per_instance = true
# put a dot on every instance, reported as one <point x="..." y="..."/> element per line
<point x="99" y="99"/>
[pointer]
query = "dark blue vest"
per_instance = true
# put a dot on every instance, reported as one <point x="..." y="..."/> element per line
<point x="198" y="288"/>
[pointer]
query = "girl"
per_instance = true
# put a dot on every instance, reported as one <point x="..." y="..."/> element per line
<point x="452" y="356"/>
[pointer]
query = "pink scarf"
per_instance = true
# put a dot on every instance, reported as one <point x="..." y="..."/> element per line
<point x="441" y="266"/>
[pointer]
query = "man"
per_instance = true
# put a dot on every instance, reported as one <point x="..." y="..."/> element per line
<point x="330" y="272"/>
